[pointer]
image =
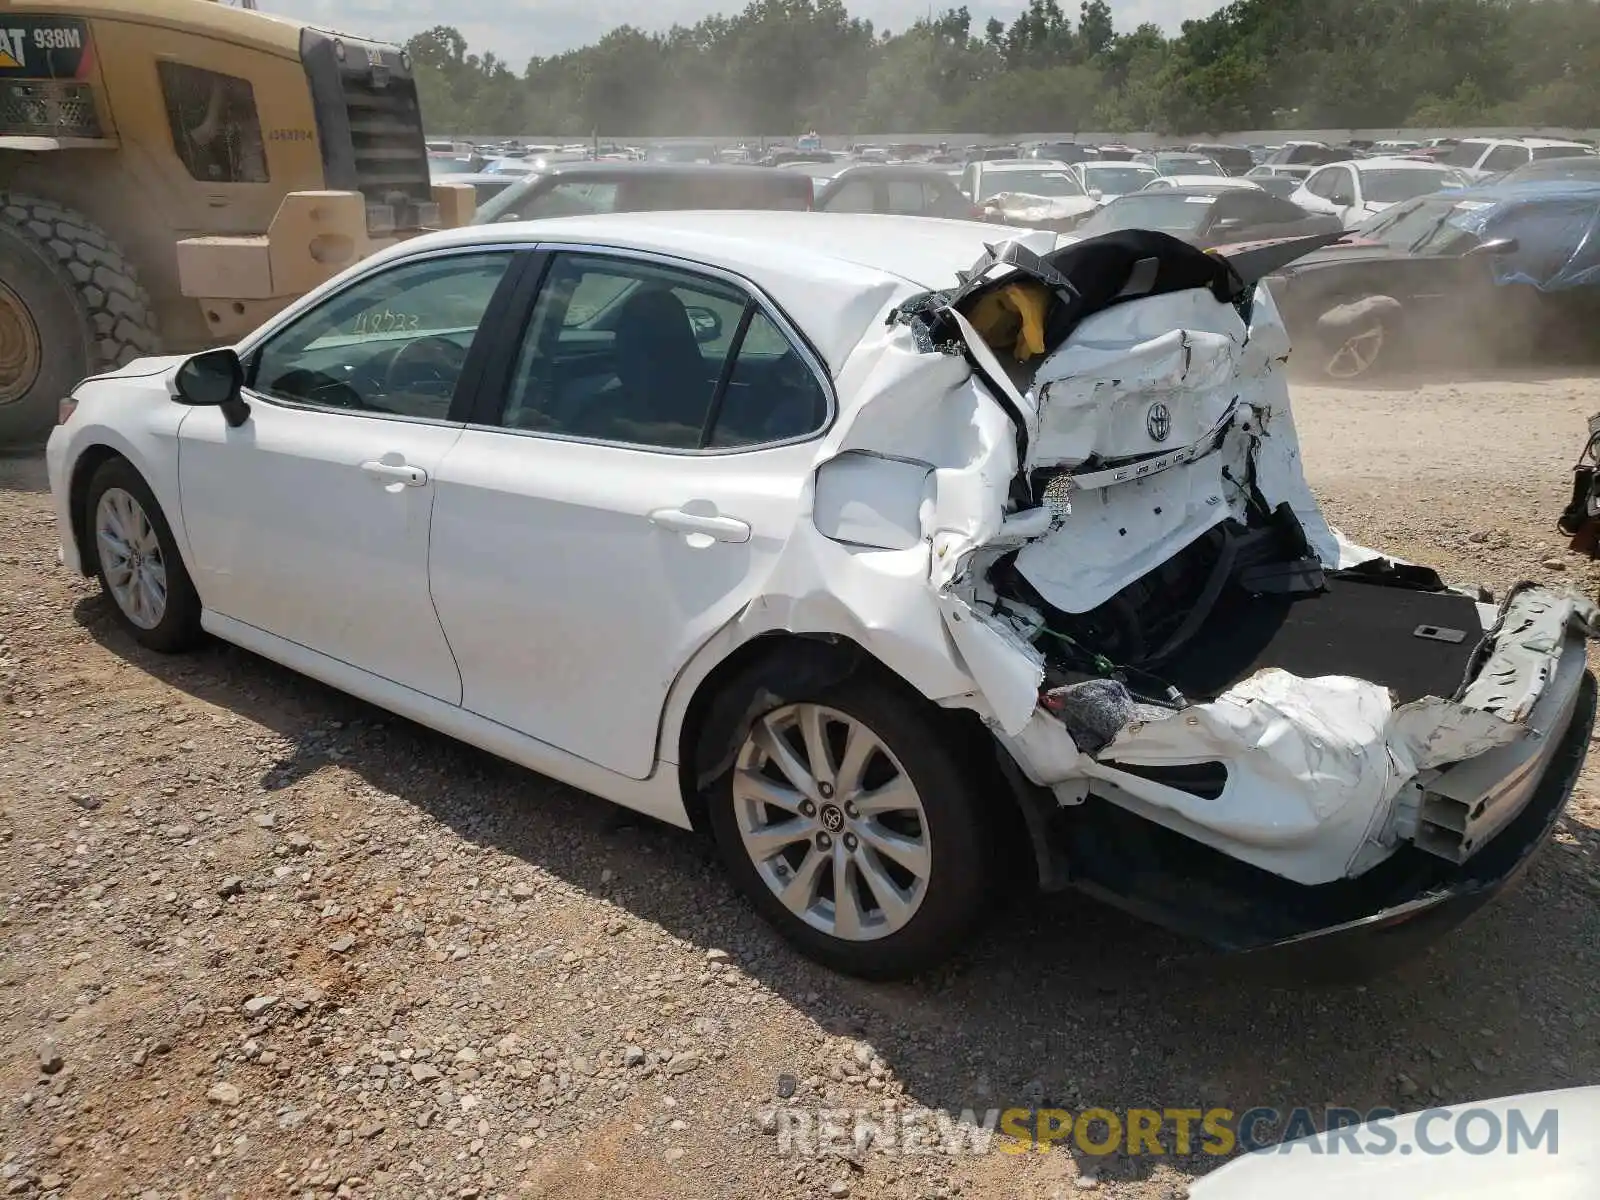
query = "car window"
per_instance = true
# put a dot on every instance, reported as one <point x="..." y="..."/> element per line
<point x="1393" y="186"/>
<point x="1465" y="154"/>
<point x="854" y="195"/>
<point x="529" y="200"/>
<point x="623" y="350"/>
<point x="1539" y="152"/>
<point x="215" y="128"/>
<point x="393" y="343"/>
<point x="1504" y="158"/>
<point x="1321" y="184"/>
<point x="909" y="197"/>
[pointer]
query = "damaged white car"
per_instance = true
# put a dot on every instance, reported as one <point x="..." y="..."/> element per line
<point x="899" y="564"/>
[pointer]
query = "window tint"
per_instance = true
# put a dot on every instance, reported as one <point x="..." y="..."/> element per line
<point x="1504" y="158"/>
<point x="854" y="195"/>
<point x="394" y="343"/>
<point x="1465" y="154"/>
<point x="772" y="394"/>
<point x="629" y="351"/>
<point x="215" y="128"/>
<point x="1320" y="183"/>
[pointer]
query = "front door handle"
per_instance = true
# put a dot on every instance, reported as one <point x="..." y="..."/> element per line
<point x="398" y="472"/>
<point x="721" y="529"/>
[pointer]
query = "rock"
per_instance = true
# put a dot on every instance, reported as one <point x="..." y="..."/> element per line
<point x="465" y="1055"/>
<point x="265" y="820"/>
<point x="139" y="1057"/>
<point x="1478" y="537"/>
<point x="424" y="1072"/>
<point x="369" y="1131"/>
<point x="1406" y="1085"/>
<point x="1086" y="1183"/>
<point x="231" y="886"/>
<point x="682" y="1064"/>
<point x="50" y="1060"/>
<point x="1553" y="564"/>
<point x="523" y="891"/>
<point x="786" y="1085"/>
<point x="342" y="945"/>
<point x="86" y="802"/>
<point x="225" y="1094"/>
<point x="257" y="1005"/>
<point x="633" y="1056"/>
<point x="767" y="1122"/>
<point x="717" y="956"/>
<point x="298" y="843"/>
<point x="51" y="1182"/>
<point x="673" y="1155"/>
<point x="863" y="1055"/>
<point x="838" y="1188"/>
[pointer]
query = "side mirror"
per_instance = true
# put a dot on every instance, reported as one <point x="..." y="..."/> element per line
<point x="1096" y="194"/>
<point x="1495" y="246"/>
<point x="1342" y="199"/>
<point x="214" y="379"/>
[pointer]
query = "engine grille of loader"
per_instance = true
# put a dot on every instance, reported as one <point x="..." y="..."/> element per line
<point x="48" y="108"/>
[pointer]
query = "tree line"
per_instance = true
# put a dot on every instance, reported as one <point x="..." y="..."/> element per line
<point x="782" y="67"/>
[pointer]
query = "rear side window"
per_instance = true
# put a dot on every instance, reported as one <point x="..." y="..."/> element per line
<point x="1506" y="158"/>
<point x="1465" y="154"/>
<point x="853" y="196"/>
<point x="216" y="131"/>
<point x="634" y="352"/>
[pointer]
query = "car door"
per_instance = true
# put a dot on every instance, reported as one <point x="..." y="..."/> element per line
<point x="624" y="497"/>
<point x="310" y="521"/>
<point x="1316" y="192"/>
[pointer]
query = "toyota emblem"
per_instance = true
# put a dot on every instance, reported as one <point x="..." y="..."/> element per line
<point x="1158" y="422"/>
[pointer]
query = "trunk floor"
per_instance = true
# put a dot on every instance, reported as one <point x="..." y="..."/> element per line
<point x="1353" y="628"/>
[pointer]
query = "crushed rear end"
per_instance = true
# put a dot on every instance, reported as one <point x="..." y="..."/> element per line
<point x="1221" y="714"/>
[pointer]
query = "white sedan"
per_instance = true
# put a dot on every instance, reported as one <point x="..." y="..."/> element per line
<point x="740" y="521"/>
<point x="1361" y="188"/>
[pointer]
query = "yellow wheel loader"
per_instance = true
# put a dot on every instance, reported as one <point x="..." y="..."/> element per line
<point x="172" y="172"/>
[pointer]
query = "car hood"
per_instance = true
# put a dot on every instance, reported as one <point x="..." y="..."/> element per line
<point x="1328" y="1167"/>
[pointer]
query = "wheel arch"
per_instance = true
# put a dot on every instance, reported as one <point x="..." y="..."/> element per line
<point x="821" y="658"/>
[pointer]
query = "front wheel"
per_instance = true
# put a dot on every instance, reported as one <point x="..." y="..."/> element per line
<point x="849" y="822"/>
<point x="137" y="560"/>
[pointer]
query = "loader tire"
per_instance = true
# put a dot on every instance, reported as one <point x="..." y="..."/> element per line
<point x="71" y="305"/>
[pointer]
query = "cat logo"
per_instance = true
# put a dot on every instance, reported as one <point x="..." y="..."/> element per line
<point x="13" y="49"/>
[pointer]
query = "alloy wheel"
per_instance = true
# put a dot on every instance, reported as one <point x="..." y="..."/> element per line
<point x="130" y="557"/>
<point x="832" y="822"/>
<point x="1356" y="354"/>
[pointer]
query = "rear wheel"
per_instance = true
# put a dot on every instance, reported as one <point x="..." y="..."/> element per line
<point x="70" y="305"/>
<point x="849" y="822"/>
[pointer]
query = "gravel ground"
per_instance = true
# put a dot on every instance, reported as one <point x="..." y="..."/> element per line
<point x="263" y="939"/>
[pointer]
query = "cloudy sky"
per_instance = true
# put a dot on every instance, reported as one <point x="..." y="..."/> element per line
<point x="516" y="30"/>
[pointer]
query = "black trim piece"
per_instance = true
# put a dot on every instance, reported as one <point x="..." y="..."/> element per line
<point x="481" y="391"/>
<point x="332" y="116"/>
<point x="714" y="412"/>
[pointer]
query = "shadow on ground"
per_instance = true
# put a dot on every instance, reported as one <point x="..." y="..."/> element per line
<point x="22" y="471"/>
<point x="1062" y="1002"/>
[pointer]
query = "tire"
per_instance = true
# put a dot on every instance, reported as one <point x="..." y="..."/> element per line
<point x="176" y="626"/>
<point x="956" y="837"/>
<point x="70" y="293"/>
<point x="1357" y="340"/>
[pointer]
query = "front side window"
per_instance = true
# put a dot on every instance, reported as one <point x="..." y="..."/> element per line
<point x="621" y="350"/>
<point x="852" y="196"/>
<point x="392" y="344"/>
<point x="215" y="129"/>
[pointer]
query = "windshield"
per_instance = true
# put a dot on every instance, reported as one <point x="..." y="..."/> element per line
<point x="1164" y="212"/>
<point x="1118" y="180"/>
<point x="1031" y="183"/>
<point x="1187" y="164"/>
<point x="1393" y="186"/>
<point x="1420" y="226"/>
<point x="1539" y="152"/>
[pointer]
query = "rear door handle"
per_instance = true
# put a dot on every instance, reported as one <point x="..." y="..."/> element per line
<point x="399" y="472"/>
<point x="722" y="529"/>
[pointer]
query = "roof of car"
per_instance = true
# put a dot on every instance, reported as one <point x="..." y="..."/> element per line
<point x="1205" y="183"/>
<point x="612" y="170"/>
<point x="891" y="170"/>
<point x="835" y="274"/>
<point x="1195" y="189"/>
<point x="1383" y="162"/>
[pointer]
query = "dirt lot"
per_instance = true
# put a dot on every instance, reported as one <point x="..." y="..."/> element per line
<point x="262" y="939"/>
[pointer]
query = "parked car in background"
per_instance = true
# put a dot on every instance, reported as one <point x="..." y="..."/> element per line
<point x="1235" y="160"/>
<point x="1282" y="186"/>
<point x="484" y="186"/>
<point x="1107" y="180"/>
<point x="1294" y="171"/>
<point x="711" y="515"/>
<point x="1356" y="190"/>
<point x="1026" y="192"/>
<point x="1208" y="215"/>
<point x="682" y="152"/>
<point x="583" y="189"/>
<point x="1211" y="181"/>
<point x="901" y="189"/>
<point x="992" y="154"/>
<point x="1479" y="158"/>
<point x="1112" y="152"/>
<point x="1067" y="152"/>
<point x="1310" y="154"/>
<point x="442" y="165"/>
<point x="1509" y="271"/>
<point x="1577" y="166"/>
<point x="1174" y="164"/>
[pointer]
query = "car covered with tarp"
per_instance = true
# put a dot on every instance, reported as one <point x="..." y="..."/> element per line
<point x="1508" y="271"/>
